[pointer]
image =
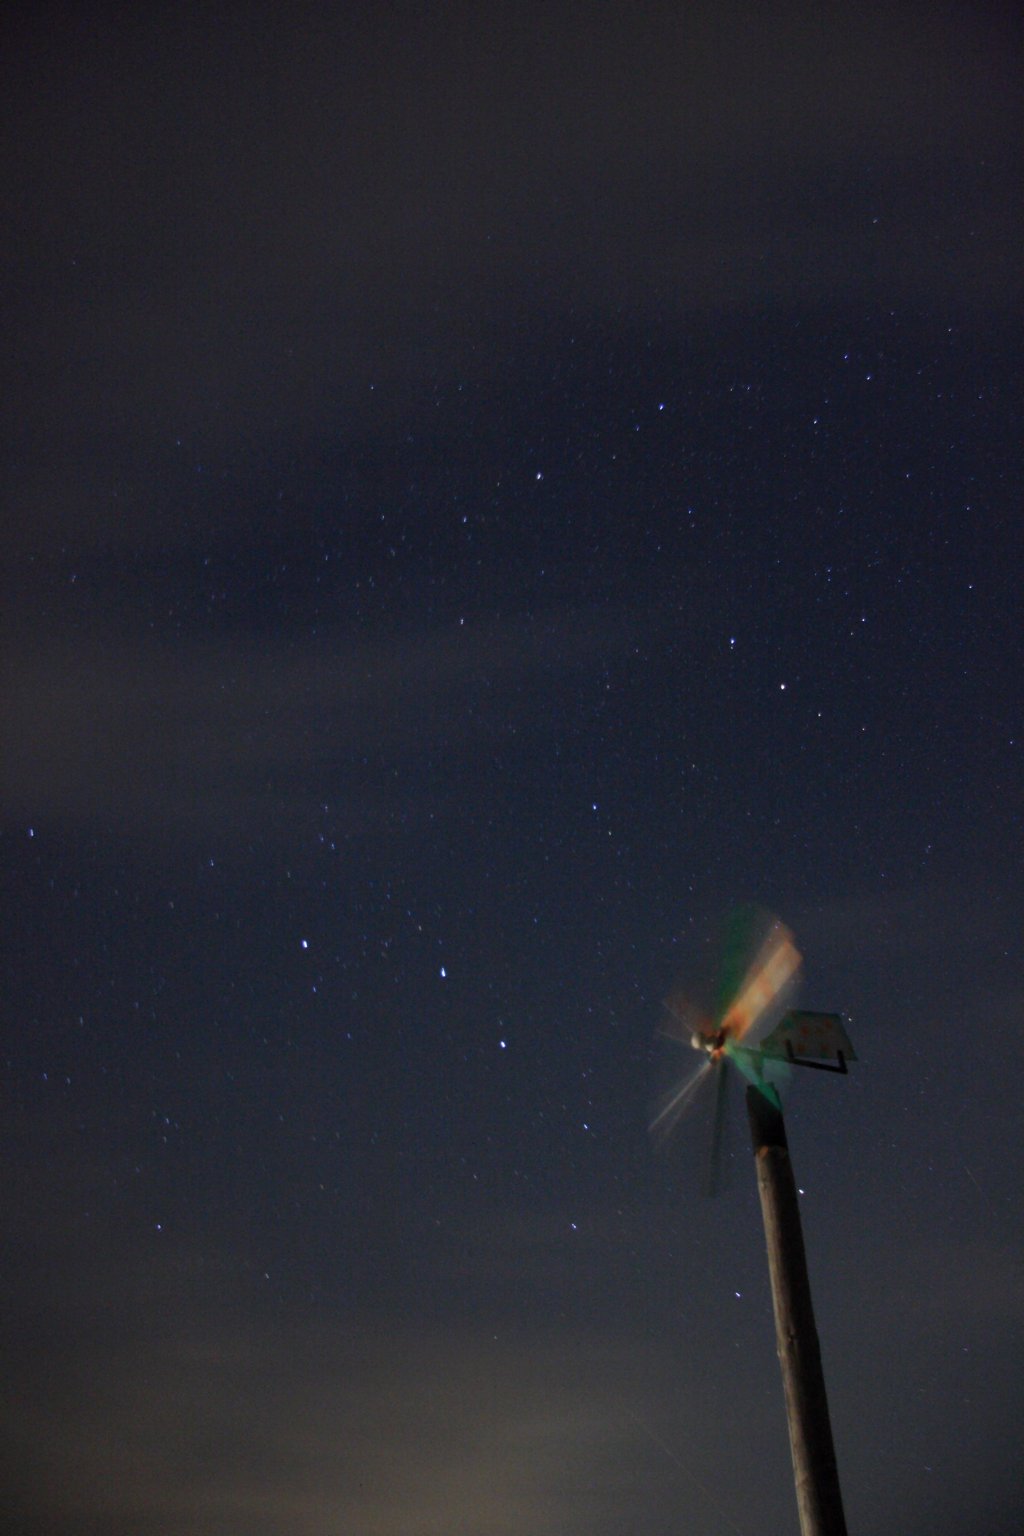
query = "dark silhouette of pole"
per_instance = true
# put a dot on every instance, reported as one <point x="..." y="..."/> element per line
<point x="818" y="1498"/>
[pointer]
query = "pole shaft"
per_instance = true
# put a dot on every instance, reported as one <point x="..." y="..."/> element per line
<point x="815" y="1474"/>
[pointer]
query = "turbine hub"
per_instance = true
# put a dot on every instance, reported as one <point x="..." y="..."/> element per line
<point x="712" y="1042"/>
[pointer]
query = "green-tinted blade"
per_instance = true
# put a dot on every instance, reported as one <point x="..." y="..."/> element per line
<point x="740" y="944"/>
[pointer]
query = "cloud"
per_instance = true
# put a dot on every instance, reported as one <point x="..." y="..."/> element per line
<point x="232" y="230"/>
<point x="909" y="924"/>
<point x="161" y="735"/>
<point x="161" y="1383"/>
<point x="362" y="1424"/>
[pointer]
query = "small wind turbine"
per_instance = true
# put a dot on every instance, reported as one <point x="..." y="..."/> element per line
<point x="740" y="1033"/>
<point x="762" y="968"/>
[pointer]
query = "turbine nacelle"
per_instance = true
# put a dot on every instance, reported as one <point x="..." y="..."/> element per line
<point x="711" y="1041"/>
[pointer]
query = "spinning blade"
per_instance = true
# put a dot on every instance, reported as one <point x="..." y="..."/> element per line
<point x="676" y="1103"/>
<point x="768" y="976"/>
<point x="761" y="963"/>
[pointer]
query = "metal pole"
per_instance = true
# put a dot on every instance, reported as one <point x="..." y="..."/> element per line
<point x="818" y="1498"/>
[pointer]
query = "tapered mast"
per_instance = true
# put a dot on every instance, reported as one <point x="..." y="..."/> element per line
<point x="815" y="1474"/>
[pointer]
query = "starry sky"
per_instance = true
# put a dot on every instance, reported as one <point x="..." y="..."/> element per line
<point x="486" y="490"/>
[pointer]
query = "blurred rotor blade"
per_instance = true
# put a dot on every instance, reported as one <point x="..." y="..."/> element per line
<point x="682" y="1020"/>
<point x="776" y="965"/>
<point x="714" y="1183"/>
<point x="678" y="1101"/>
<point x="745" y="932"/>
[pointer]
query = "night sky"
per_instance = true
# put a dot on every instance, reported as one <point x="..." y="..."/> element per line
<point x="487" y="489"/>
